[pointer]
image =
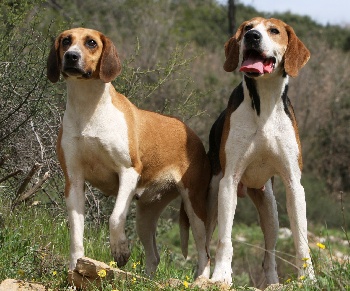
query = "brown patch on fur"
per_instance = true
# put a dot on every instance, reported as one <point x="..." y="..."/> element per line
<point x="232" y="50"/>
<point x="295" y="126"/>
<point x="296" y="55"/>
<point x="160" y="145"/>
<point x="110" y="66"/>
<point x="225" y="133"/>
<point x="54" y="62"/>
<point x="61" y="159"/>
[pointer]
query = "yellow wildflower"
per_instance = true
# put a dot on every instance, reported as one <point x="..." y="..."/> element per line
<point x="187" y="278"/>
<point x="112" y="264"/>
<point x="305" y="265"/>
<point x="186" y="284"/>
<point x="134" y="265"/>
<point x="305" y="259"/>
<point x="321" y="246"/>
<point x="288" y="280"/>
<point x="54" y="273"/>
<point x="302" y="277"/>
<point x="102" y="273"/>
<point x="133" y="280"/>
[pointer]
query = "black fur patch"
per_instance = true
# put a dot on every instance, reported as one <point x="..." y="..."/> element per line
<point x="235" y="100"/>
<point x="286" y="103"/>
<point x="253" y="93"/>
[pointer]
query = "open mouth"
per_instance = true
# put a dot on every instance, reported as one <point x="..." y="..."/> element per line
<point x="255" y="64"/>
<point x="74" y="71"/>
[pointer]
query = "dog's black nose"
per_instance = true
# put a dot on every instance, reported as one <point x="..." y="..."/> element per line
<point x="72" y="57"/>
<point x="252" y="37"/>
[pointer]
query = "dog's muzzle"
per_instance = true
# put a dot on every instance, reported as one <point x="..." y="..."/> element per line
<point x="72" y="65"/>
<point x="255" y="63"/>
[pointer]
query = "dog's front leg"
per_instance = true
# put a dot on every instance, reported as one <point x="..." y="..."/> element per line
<point x="128" y="179"/>
<point x="75" y="201"/>
<point x="296" y="208"/>
<point x="227" y="202"/>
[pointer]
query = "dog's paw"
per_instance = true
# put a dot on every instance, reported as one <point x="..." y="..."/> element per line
<point x="222" y="276"/>
<point x="120" y="252"/>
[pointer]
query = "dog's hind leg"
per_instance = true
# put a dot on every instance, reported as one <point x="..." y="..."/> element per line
<point x="199" y="234"/>
<point x="128" y="179"/>
<point x="264" y="201"/>
<point x="212" y="206"/>
<point x="147" y="215"/>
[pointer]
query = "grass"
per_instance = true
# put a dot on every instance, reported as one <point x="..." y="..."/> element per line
<point x="34" y="245"/>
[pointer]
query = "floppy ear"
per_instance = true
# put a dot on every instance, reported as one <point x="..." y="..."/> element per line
<point x="232" y="50"/>
<point x="53" y="62"/>
<point x="296" y="55"/>
<point x="110" y="66"/>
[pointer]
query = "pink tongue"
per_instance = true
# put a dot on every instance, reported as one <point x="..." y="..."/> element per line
<point x="256" y="65"/>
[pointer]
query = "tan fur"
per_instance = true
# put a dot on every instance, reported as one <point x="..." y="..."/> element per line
<point x="165" y="156"/>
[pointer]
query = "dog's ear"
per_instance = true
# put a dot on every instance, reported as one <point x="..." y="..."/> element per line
<point x="53" y="62"/>
<point x="296" y="55"/>
<point x="232" y="50"/>
<point x="110" y="66"/>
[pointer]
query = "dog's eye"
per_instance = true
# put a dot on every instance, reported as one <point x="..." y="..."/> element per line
<point x="248" y="27"/>
<point x="66" y="41"/>
<point x="274" y="31"/>
<point x="91" y="43"/>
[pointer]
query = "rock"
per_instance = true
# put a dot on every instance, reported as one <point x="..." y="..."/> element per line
<point x="89" y="271"/>
<point x="205" y="283"/>
<point x="275" y="287"/>
<point x="18" y="285"/>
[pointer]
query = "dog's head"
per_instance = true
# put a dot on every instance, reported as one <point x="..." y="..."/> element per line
<point x="83" y="53"/>
<point x="265" y="46"/>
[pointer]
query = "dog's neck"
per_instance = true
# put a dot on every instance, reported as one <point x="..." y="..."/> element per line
<point x="266" y="92"/>
<point x="85" y="98"/>
<point x="88" y="92"/>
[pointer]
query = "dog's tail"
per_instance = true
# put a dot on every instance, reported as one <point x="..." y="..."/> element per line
<point x="184" y="229"/>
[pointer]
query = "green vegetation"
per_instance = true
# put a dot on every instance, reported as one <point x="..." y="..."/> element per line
<point x="172" y="53"/>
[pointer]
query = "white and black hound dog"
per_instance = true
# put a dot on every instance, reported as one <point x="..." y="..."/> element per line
<point x="255" y="138"/>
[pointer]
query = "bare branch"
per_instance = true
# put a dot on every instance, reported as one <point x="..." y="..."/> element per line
<point x="27" y="195"/>
<point x="10" y="175"/>
<point x="27" y="179"/>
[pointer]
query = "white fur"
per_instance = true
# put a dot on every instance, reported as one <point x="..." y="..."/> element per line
<point x="257" y="148"/>
<point x="97" y="130"/>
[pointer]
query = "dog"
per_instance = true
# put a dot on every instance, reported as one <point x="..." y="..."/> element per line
<point x="125" y="152"/>
<point x="255" y="138"/>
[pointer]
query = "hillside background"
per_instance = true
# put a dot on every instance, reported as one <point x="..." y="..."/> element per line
<point x="172" y="54"/>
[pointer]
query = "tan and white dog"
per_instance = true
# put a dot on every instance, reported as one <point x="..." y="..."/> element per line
<point x="255" y="138"/>
<point x="125" y="152"/>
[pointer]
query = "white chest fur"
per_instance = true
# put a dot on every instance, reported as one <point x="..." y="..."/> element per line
<point x="94" y="129"/>
<point x="261" y="142"/>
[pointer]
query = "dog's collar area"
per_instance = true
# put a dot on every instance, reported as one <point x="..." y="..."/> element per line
<point x="256" y="63"/>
